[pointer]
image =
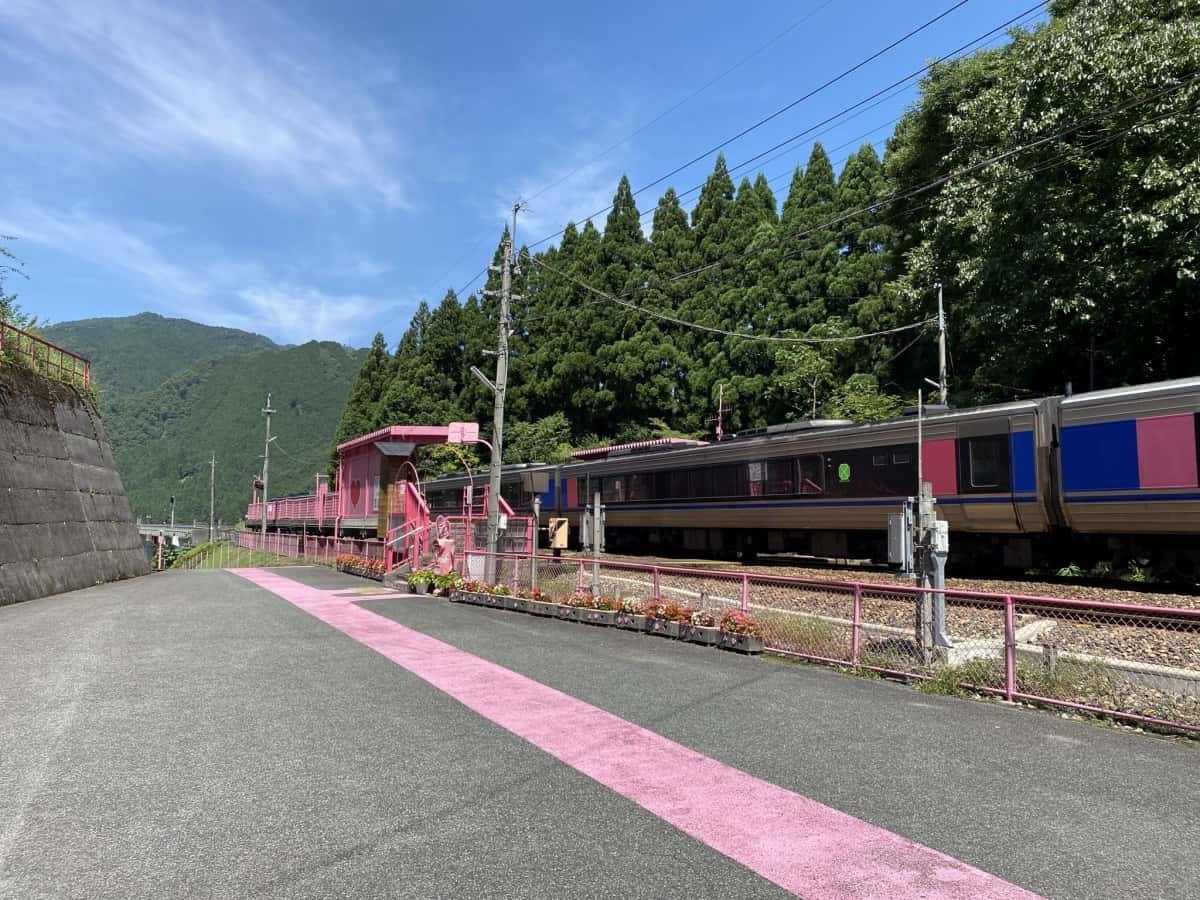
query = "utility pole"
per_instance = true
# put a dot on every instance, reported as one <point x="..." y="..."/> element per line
<point x="212" y="497"/>
<point x="501" y="385"/>
<point x="268" y="412"/>
<point x="941" y="323"/>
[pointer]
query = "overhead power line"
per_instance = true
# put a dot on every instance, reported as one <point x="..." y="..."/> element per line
<point x="696" y="326"/>
<point x="875" y="205"/>
<point x="697" y="92"/>
<point x="785" y="108"/>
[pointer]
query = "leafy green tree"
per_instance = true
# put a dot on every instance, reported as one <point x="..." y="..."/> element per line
<point x="803" y="376"/>
<point x="859" y="398"/>
<point x="1083" y="246"/>
<point x="546" y="440"/>
<point x="10" y="310"/>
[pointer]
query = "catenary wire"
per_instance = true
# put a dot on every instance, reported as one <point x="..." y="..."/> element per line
<point x="874" y="206"/>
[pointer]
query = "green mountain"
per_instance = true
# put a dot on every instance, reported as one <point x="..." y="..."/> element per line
<point x="138" y="353"/>
<point x="173" y="392"/>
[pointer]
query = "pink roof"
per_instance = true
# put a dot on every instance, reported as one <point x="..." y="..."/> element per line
<point x="601" y="452"/>
<point x="418" y="434"/>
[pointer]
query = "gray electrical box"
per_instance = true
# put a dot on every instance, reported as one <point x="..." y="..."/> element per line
<point x="900" y="538"/>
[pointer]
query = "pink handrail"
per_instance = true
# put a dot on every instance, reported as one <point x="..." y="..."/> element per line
<point x="53" y="360"/>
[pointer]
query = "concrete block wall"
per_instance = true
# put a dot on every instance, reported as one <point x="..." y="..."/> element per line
<point x="65" y="521"/>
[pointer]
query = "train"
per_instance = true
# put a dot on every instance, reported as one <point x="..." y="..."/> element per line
<point x="1106" y="476"/>
<point x="1098" y="476"/>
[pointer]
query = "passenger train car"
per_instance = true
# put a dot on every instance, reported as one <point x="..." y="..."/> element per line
<point x="1082" y="477"/>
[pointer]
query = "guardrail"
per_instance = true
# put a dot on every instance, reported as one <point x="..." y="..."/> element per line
<point x="43" y="357"/>
<point x="1134" y="663"/>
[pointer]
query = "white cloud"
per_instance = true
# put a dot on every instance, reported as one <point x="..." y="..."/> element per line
<point x="163" y="81"/>
<point x="102" y="243"/>
<point x="303" y="313"/>
<point x="236" y="293"/>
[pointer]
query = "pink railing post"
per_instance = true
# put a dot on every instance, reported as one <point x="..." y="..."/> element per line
<point x="579" y="580"/>
<point x="657" y="584"/>
<point x="856" y="627"/>
<point x="1010" y="649"/>
<point x="745" y="592"/>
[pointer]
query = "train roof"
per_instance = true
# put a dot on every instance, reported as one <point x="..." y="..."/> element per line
<point x="1132" y="391"/>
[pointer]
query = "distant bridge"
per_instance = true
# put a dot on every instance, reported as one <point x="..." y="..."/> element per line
<point x="194" y="533"/>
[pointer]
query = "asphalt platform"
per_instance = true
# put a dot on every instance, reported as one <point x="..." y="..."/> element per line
<point x="195" y="735"/>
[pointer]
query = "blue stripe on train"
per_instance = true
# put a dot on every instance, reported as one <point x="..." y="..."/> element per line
<point x="1130" y="498"/>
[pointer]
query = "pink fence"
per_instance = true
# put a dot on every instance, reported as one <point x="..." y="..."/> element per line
<point x="317" y="549"/>
<point x="1129" y="662"/>
<point x="308" y="508"/>
<point x="44" y="357"/>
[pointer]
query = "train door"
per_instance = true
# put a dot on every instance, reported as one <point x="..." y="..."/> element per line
<point x="985" y="476"/>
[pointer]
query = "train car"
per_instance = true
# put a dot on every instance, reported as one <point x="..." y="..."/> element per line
<point x="828" y="489"/>
<point x="1127" y="458"/>
<point x="1086" y="477"/>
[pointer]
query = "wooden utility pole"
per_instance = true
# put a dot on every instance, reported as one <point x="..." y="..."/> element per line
<point x="943" y="386"/>
<point x="212" y="497"/>
<point x="501" y="385"/>
<point x="268" y="412"/>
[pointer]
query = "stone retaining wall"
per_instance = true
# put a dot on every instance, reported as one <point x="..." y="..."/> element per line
<point x="65" y="522"/>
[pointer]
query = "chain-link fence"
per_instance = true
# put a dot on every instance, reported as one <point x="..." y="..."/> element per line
<point x="1135" y="663"/>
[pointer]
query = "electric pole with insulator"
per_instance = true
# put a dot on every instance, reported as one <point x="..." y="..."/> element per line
<point x="499" y="388"/>
<point x="212" y="497"/>
<point x="268" y="412"/>
<point x="943" y="386"/>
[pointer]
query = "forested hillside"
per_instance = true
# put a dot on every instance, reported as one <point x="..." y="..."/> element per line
<point x="173" y="392"/>
<point x="163" y="439"/>
<point x="138" y="353"/>
<point x="1051" y="186"/>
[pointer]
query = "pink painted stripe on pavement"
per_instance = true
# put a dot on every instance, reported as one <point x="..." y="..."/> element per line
<point x="799" y="844"/>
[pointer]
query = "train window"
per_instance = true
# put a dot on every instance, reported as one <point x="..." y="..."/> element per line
<point x="581" y="492"/>
<point x="679" y="484"/>
<point x="879" y="459"/>
<point x="985" y="460"/>
<point x="812" y="474"/>
<point x="902" y="457"/>
<point x="700" y="483"/>
<point x="781" y="476"/>
<point x="729" y="481"/>
<point x="636" y="486"/>
<point x="613" y="489"/>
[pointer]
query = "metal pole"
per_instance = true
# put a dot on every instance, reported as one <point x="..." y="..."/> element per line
<point x="596" y="545"/>
<point x="537" y="515"/>
<point x="267" y="411"/>
<point x="493" y="510"/>
<point x="212" y="497"/>
<point x="941" y="323"/>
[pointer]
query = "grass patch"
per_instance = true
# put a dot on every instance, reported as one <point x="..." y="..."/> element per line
<point x="220" y="555"/>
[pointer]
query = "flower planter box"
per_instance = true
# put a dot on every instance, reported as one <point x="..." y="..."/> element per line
<point x="598" y="616"/>
<point x="567" y="613"/>
<point x="499" y="601"/>
<point x="701" y="634"/>
<point x="631" y="622"/>
<point x="518" y="604"/>
<point x="662" y="627"/>
<point x="539" y="608"/>
<point x="458" y="597"/>
<point x="743" y="643"/>
<point x="362" y="573"/>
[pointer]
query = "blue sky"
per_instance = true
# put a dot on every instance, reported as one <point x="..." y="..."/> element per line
<point x="312" y="170"/>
